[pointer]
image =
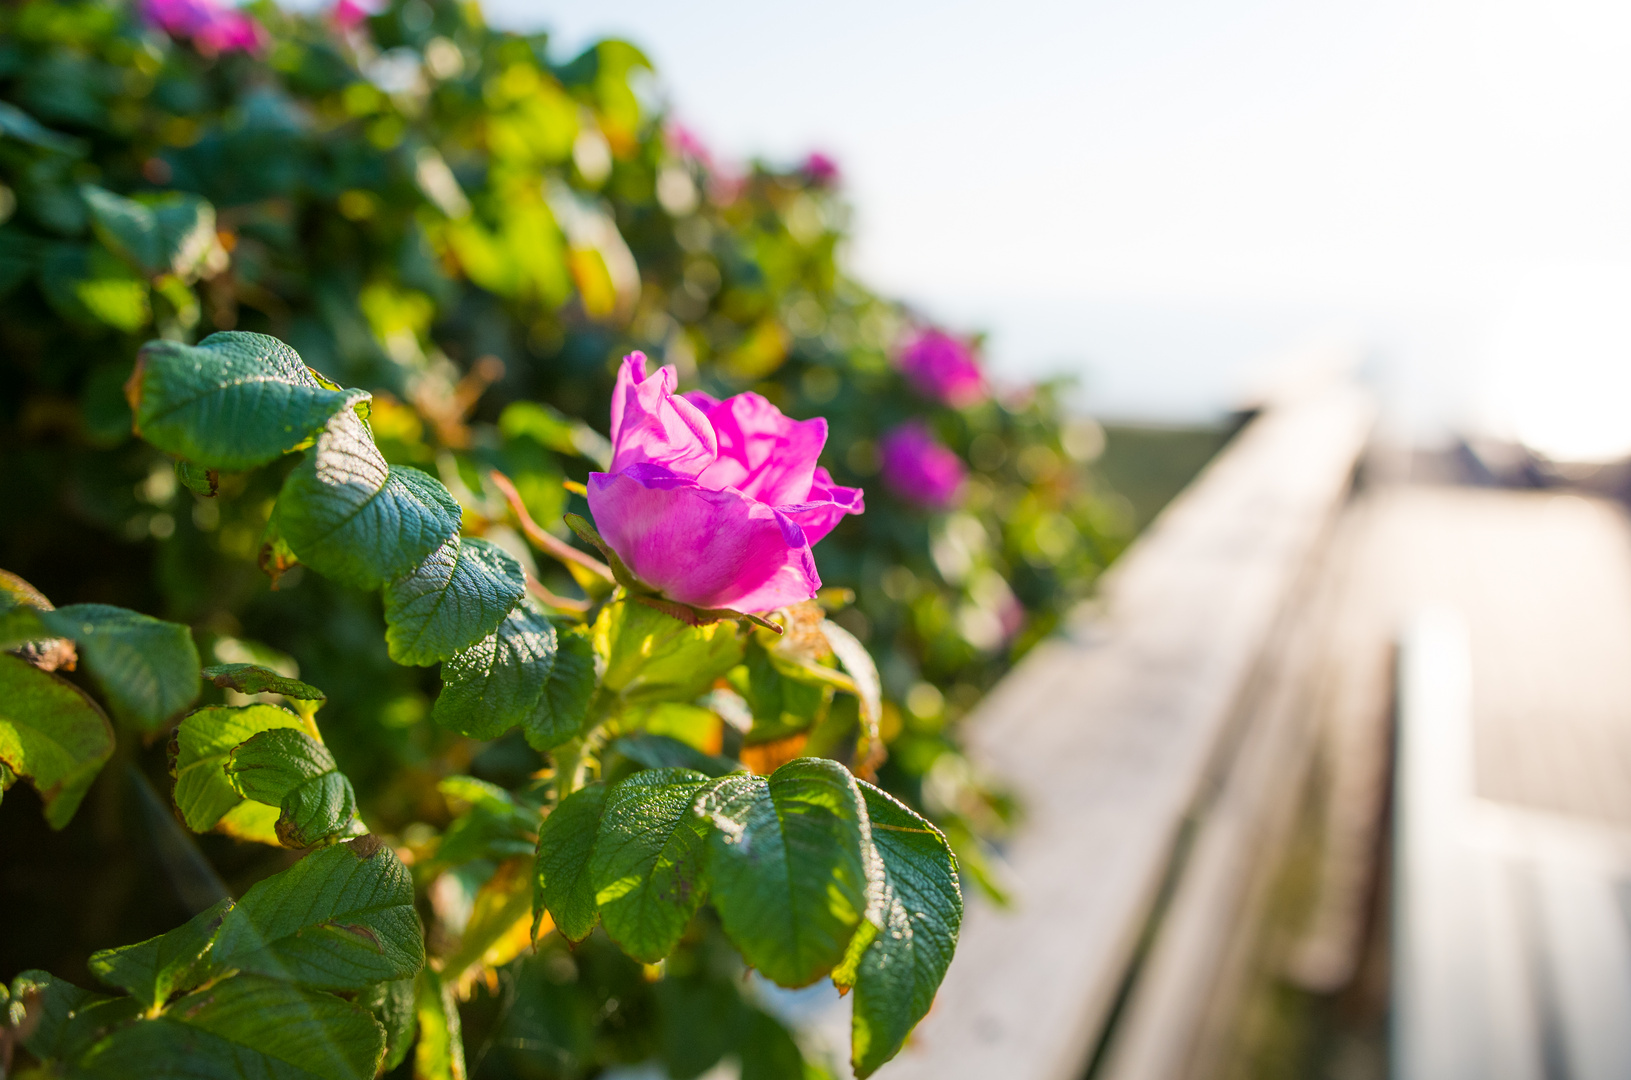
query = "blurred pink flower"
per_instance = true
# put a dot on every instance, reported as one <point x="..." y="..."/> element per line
<point x="688" y="144"/>
<point x="211" y="27"/>
<point x="350" y="14"/>
<point x="714" y="503"/>
<point x="919" y="468"/>
<point x="821" y="169"/>
<point x="943" y="367"/>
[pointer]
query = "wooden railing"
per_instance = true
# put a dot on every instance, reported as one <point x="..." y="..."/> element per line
<point x="1158" y="746"/>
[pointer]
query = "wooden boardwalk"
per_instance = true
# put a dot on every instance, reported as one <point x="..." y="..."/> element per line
<point x="1513" y="865"/>
<point x="1164" y="745"/>
<point x="1151" y="729"/>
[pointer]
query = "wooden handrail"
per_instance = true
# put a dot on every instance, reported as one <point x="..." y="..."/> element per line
<point x="1110" y="732"/>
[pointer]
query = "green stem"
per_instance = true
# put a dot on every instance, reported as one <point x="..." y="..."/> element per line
<point x="575" y="759"/>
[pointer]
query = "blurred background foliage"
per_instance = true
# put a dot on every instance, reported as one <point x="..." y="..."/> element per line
<point x="476" y="230"/>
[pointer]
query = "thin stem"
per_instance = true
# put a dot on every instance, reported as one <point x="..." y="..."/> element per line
<point x="574" y="759"/>
<point x="554" y="600"/>
<point x="550" y="545"/>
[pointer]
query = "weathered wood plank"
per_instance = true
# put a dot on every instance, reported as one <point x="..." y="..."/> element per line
<point x="1179" y="1018"/>
<point x="1108" y="733"/>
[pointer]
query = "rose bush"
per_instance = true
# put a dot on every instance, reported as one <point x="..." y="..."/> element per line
<point x="470" y="231"/>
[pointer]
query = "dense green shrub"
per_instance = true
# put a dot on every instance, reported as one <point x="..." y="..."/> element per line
<point x="472" y="233"/>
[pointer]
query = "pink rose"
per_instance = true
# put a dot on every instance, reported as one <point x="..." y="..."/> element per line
<point x="688" y="143"/>
<point x="919" y="469"/>
<point x="211" y="27"/>
<point x="943" y="367"/>
<point x="715" y="504"/>
<point x="821" y="169"/>
<point x="350" y="14"/>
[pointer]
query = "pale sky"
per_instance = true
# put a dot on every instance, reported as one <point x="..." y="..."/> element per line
<point x="1155" y="194"/>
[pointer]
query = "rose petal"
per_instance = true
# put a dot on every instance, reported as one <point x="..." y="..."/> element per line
<point x="707" y="548"/>
<point x="825" y="507"/>
<point x="762" y="453"/>
<point x="651" y="424"/>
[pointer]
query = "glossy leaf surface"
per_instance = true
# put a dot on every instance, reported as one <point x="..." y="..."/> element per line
<point x="392" y="1004"/>
<point x="153" y="970"/>
<point x="651" y="656"/>
<point x="342" y="918"/>
<point x="648" y="861"/>
<point x="896" y="975"/>
<point x="450" y="601"/>
<point x="51" y="733"/>
<point x="566" y="845"/>
<point x="348" y="515"/>
<point x="198" y="757"/>
<point x="255" y="679"/>
<point x="789" y="866"/>
<point x="296" y="773"/>
<point x="241" y="1028"/>
<point x="147" y="668"/>
<point x="527" y="674"/>
<point x="233" y="401"/>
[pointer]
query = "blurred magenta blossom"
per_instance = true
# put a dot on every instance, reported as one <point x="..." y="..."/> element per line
<point x="821" y="168"/>
<point x="210" y="26"/>
<point x="688" y="143"/>
<point x="714" y="503"/>
<point x="943" y="367"/>
<point x="919" y="468"/>
<point x="350" y="14"/>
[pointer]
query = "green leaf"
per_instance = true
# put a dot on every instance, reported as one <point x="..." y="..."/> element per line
<point x="89" y="284"/>
<point x="65" y="1019"/>
<point x="767" y="1049"/>
<point x="255" y="679"/>
<point x="172" y="233"/>
<point x="651" y="656"/>
<point x="789" y="866"/>
<point x="662" y="752"/>
<point x="781" y="706"/>
<point x="203" y="482"/>
<point x="450" y="601"/>
<point x="342" y="918"/>
<point x="525" y="673"/>
<point x="147" y="668"/>
<point x="155" y="969"/>
<point x="296" y="773"/>
<point x="439" y="1052"/>
<point x="245" y="1026"/>
<point x="198" y="757"/>
<point x="867" y="686"/>
<point x="233" y="401"/>
<point x="351" y="517"/>
<point x="547" y="427"/>
<point x="699" y="1021"/>
<point x="51" y="733"/>
<point x="490" y="823"/>
<point x="49" y="1004"/>
<point x="566" y="844"/>
<point x="20" y="625"/>
<point x="16" y="124"/>
<point x="392" y="1004"/>
<point x="896" y="975"/>
<point x="648" y="860"/>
